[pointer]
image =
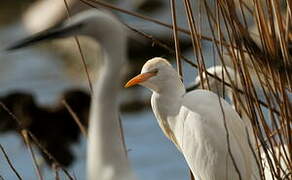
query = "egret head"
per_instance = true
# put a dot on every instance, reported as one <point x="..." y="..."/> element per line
<point x="101" y="26"/>
<point x="216" y="84"/>
<point x="157" y="74"/>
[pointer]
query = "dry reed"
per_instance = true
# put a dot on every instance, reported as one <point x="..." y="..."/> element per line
<point x="268" y="62"/>
<point x="266" y="59"/>
<point x="28" y="137"/>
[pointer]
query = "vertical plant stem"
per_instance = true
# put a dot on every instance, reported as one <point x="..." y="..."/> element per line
<point x="75" y="117"/>
<point x="56" y="170"/>
<point x="10" y="163"/>
<point x="28" y="144"/>
<point x="176" y="39"/>
<point x="80" y="51"/>
<point x="35" y="140"/>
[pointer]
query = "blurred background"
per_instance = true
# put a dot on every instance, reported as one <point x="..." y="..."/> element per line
<point x="43" y="75"/>
<point x="47" y="71"/>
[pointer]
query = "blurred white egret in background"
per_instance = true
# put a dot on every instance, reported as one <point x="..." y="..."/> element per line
<point x="44" y="14"/>
<point x="195" y="122"/>
<point x="106" y="153"/>
<point x="227" y="75"/>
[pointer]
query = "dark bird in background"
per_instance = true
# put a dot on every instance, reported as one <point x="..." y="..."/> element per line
<point x="54" y="127"/>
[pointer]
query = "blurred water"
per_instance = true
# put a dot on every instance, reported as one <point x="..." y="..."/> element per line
<point x="153" y="157"/>
<point x="30" y="69"/>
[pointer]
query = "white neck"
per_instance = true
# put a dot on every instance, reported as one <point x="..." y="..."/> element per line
<point x="106" y="156"/>
<point x="167" y="104"/>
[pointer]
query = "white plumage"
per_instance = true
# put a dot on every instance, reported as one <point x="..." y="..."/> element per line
<point x="106" y="154"/>
<point x="228" y="75"/>
<point x="194" y="122"/>
<point x="218" y="87"/>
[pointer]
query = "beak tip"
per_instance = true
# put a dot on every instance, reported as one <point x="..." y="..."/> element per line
<point x="10" y="48"/>
<point x="128" y="84"/>
<point x="139" y="79"/>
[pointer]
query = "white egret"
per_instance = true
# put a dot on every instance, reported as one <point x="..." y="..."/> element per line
<point x="106" y="156"/>
<point x="228" y="75"/>
<point x="44" y="14"/>
<point x="194" y="122"/>
<point x="218" y="87"/>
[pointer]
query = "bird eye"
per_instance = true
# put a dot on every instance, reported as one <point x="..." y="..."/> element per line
<point x="154" y="71"/>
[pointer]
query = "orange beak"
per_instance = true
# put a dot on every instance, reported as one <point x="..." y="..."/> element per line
<point x="139" y="78"/>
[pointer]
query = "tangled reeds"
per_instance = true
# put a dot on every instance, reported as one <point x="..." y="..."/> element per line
<point x="260" y="57"/>
<point x="262" y="62"/>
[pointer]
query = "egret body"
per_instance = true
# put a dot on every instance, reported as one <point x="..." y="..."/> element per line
<point x="228" y="75"/>
<point x="194" y="122"/>
<point x="218" y="87"/>
<point x="106" y="154"/>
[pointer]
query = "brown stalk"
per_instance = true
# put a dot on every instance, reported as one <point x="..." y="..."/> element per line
<point x="232" y="85"/>
<point x="228" y="141"/>
<point x="253" y="115"/>
<point x="237" y="99"/>
<point x="123" y="136"/>
<point x="176" y="39"/>
<point x="268" y="102"/>
<point x="197" y="48"/>
<point x="161" y="44"/>
<point x="113" y="7"/>
<point x="283" y="101"/>
<point x="281" y="33"/>
<point x="108" y="5"/>
<point x="84" y="64"/>
<point x="264" y="91"/>
<point x="279" y="23"/>
<point x="80" y="50"/>
<point x="254" y="107"/>
<point x="241" y="4"/>
<point x="28" y="144"/>
<point x="191" y="175"/>
<point x="75" y="117"/>
<point x="35" y="140"/>
<point x="10" y="163"/>
<point x="270" y="48"/>
<point x="171" y="51"/>
<point x="56" y="170"/>
<point x="213" y="35"/>
<point x="49" y="155"/>
<point x="272" y="81"/>
<point x="283" y="107"/>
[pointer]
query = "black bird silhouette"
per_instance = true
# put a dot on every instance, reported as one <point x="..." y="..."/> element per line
<point x="54" y="127"/>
